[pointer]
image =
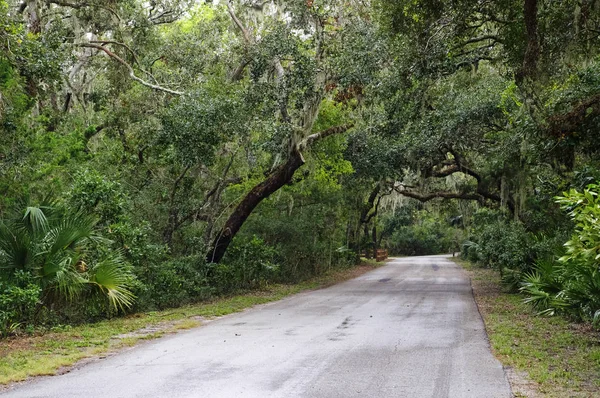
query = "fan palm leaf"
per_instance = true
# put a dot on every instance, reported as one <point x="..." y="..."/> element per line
<point x="67" y="281"/>
<point x="15" y="247"/>
<point x="112" y="278"/>
<point x="35" y="221"/>
<point x="53" y="245"/>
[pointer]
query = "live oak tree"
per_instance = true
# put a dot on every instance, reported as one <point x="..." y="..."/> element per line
<point x="293" y="64"/>
<point x="218" y="132"/>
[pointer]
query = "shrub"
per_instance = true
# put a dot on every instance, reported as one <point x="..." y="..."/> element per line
<point x="572" y="284"/>
<point x="92" y="192"/>
<point x="505" y="245"/>
<point x="473" y="253"/>
<point x="427" y="237"/>
<point x="67" y="259"/>
<point x="248" y="264"/>
<point x="174" y="283"/>
<point x="19" y="299"/>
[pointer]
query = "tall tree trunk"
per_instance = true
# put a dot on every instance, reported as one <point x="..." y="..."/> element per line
<point x="280" y="177"/>
<point x="366" y="239"/>
<point x="532" y="52"/>
<point x="34" y="27"/>
<point x="374" y="239"/>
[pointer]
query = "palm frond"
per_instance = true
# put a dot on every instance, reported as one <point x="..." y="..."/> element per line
<point x="70" y="232"/>
<point x="542" y="293"/>
<point x="114" y="279"/>
<point x="15" y="247"/>
<point x="67" y="280"/>
<point x="35" y="220"/>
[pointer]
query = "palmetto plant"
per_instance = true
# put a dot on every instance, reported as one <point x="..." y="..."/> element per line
<point x="55" y="246"/>
<point x="572" y="283"/>
<point x="544" y="287"/>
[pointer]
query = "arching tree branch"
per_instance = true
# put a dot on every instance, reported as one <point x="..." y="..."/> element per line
<point x="567" y="123"/>
<point x="457" y="165"/>
<point x="133" y="54"/>
<point x="324" y="134"/>
<point x="280" y="177"/>
<point x="439" y="194"/>
<point x="236" y="20"/>
<point x="81" y="4"/>
<point x="130" y="69"/>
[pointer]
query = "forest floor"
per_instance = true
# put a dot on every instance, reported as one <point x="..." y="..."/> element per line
<point x="542" y="356"/>
<point x="58" y="350"/>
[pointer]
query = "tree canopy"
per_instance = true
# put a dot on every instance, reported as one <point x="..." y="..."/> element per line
<point x="219" y="145"/>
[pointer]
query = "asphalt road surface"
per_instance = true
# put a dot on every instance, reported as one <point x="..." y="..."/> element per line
<point x="409" y="329"/>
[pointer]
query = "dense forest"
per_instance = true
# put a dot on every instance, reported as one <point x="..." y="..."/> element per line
<point x="156" y="153"/>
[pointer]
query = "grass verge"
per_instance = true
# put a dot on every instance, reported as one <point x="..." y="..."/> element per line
<point x="544" y="356"/>
<point x="56" y="350"/>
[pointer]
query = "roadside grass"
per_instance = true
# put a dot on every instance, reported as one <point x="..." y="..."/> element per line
<point x="56" y="350"/>
<point x="560" y="357"/>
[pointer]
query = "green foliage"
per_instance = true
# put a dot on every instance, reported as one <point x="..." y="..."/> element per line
<point x="434" y="91"/>
<point x="505" y="245"/>
<point x="19" y="300"/>
<point x="195" y="125"/>
<point x="94" y="193"/>
<point x="584" y="209"/>
<point x="572" y="284"/>
<point x="544" y="288"/>
<point x="415" y="233"/>
<point x="470" y="251"/>
<point x="58" y="247"/>
<point x="419" y="240"/>
<point x="172" y="283"/>
<point x="248" y="264"/>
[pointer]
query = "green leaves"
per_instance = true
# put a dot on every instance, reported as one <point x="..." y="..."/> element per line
<point x="584" y="210"/>
<point x="196" y="125"/>
<point x="56" y="249"/>
<point x="572" y="284"/>
<point x="113" y="277"/>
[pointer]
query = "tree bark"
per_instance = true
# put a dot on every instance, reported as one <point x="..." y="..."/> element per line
<point x="364" y="217"/>
<point x="374" y="239"/>
<point x="532" y="51"/>
<point x="280" y="177"/>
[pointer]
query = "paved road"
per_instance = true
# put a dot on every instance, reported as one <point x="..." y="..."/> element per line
<point x="409" y="329"/>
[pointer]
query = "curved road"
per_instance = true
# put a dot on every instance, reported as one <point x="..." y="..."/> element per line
<point x="409" y="329"/>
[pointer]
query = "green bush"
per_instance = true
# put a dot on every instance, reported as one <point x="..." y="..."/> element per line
<point x="306" y="243"/>
<point x="174" y="283"/>
<point x="92" y="192"/>
<point x="19" y="300"/>
<point x="248" y="264"/>
<point x="572" y="284"/>
<point x="473" y="253"/>
<point x="71" y="268"/>
<point x="427" y="237"/>
<point x="505" y="245"/>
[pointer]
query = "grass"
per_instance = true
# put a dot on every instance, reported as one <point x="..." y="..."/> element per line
<point x="60" y="348"/>
<point x="559" y="357"/>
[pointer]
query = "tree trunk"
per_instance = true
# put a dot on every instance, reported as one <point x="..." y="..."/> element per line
<point x="532" y="52"/>
<point x="366" y="232"/>
<point x="280" y="177"/>
<point x="277" y="179"/>
<point x="374" y="239"/>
